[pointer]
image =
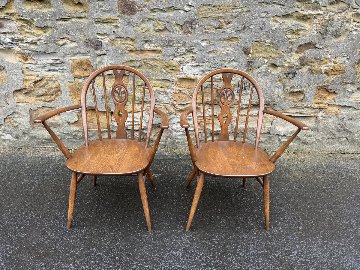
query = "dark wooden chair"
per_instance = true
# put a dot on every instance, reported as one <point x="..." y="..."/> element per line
<point x="227" y="112"/>
<point x="123" y="94"/>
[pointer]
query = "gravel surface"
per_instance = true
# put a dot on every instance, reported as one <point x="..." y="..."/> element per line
<point x="315" y="218"/>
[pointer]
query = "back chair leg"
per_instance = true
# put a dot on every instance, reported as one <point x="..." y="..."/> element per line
<point x="191" y="177"/>
<point x="266" y="192"/>
<point x="72" y="196"/>
<point x="144" y="199"/>
<point x="199" y="186"/>
<point x="244" y="182"/>
<point x="94" y="180"/>
<point x="150" y="176"/>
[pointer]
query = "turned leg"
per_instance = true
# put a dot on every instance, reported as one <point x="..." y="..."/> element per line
<point x="150" y="176"/>
<point x="72" y="196"/>
<point x="266" y="190"/>
<point x="199" y="186"/>
<point x="244" y="182"/>
<point x="191" y="177"/>
<point x="144" y="200"/>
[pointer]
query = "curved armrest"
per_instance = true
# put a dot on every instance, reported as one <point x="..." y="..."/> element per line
<point x="300" y="126"/>
<point x="183" y="121"/>
<point x="287" y="118"/>
<point x="46" y="116"/>
<point x="164" y="118"/>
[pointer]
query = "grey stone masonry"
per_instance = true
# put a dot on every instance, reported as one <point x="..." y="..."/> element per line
<point x="305" y="54"/>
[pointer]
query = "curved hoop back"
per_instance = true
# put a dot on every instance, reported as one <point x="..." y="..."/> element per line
<point x="116" y="94"/>
<point x="228" y="95"/>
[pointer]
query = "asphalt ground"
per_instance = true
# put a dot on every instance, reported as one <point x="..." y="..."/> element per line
<point x="315" y="218"/>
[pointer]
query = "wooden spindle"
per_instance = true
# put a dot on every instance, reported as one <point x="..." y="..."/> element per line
<point x="248" y="113"/>
<point x="240" y="87"/>
<point x="204" y="114"/>
<point x="212" y="109"/>
<point x="96" y="110"/>
<point x="107" y="108"/>
<point x="142" y="111"/>
<point x="133" y="109"/>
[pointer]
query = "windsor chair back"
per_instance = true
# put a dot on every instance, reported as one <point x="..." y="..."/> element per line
<point x="117" y="111"/>
<point x="227" y="110"/>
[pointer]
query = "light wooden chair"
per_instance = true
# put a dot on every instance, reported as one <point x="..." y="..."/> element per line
<point x="120" y="147"/>
<point x="227" y="112"/>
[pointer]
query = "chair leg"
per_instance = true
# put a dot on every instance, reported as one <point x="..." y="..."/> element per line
<point x="94" y="180"/>
<point x="150" y="176"/>
<point x="191" y="177"/>
<point x="199" y="186"/>
<point x="144" y="199"/>
<point x="72" y="196"/>
<point x="266" y="190"/>
<point x="244" y="182"/>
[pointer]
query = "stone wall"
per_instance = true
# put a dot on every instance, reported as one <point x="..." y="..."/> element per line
<point x="304" y="54"/>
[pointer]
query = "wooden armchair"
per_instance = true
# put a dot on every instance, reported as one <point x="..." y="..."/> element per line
<point x="123" y="94"/>
<point x="228" y="104"/>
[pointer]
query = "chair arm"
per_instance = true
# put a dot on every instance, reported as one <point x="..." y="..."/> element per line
<point x="44" y="117"/>
<point x="183" y="121"/>
<point x="287" y="118"/>
<point x="300" y="126"/>
<point x="164" y="118"/>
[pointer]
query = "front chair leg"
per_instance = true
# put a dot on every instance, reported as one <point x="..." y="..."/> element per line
<point x="72" y="196"/>
<point x="150" y="176"/>
<point x="144" y="199"/>
<point x="199" y="186"/>
<point x="266" y="193"/>
<point x="191" y="177"/>
<point x="94" y="180"/>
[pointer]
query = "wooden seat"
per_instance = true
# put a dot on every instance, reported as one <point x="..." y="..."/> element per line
<point x="117" y="111"/>
<point x="122" y="156"/>
<point x="229" y="158"/>
<point x="227" y="110"/>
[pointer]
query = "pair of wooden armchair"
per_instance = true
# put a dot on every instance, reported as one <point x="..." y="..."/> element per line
<point x="123" y="94"/>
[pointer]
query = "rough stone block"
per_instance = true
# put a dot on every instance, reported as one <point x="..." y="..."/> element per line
<point x="323" y="97"/>
<point x="38" y="89"/>
<point x="265" y="50"/>
<point x="8" y="8"/>
<point x="181" y="97"/>
<point x="306" y="46"/>
<point x="38" y="5"/>
<point x="186" y="82"/>
<point x="3" y="75"/>
<point x="75" y="91"/>
<point x="146" y="52"/>
<point x="216" y="11"/>
<point x="128" y="7"/>
<point x="156" y="66"/>
<point x="357" y="69"/>
<point x="335" y="69"/>
<point x="29" y="30"/>
<point x="124" y="42"/>
<point x="111" y="20"/>
<point x="333" y="109"/>
<point x="81" y="67"/>
<point x="295" y="96"/>
<point x="75" y="6"/>
<point x="355" y="97"/>
<point x="152" y="26"/>
<point x="7" y="26"/>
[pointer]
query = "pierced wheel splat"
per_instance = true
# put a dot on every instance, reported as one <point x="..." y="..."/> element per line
<point x="119" y="94"/>
<point x="226" y="96"/>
